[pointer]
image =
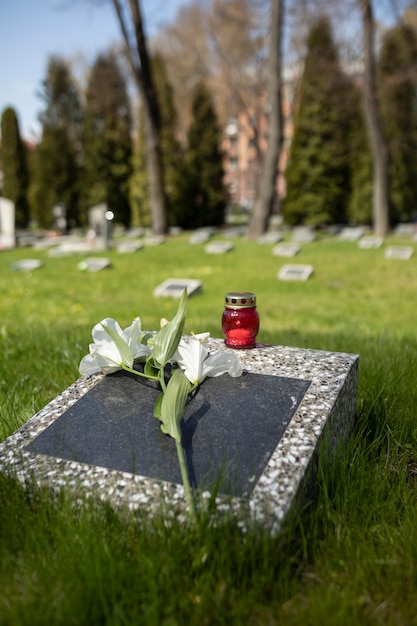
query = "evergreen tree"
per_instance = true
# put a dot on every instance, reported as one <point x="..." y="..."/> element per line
<point x="398" y="87"/>
<point x="15" y="171"/>
<point x="107" y="139"/>
<point x="318" y="170"/>
<point x="58" y="155"/>
<point x="204" y="203"/>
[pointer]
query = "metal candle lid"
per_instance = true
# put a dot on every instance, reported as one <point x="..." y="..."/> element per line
<point x="240" y="300"/>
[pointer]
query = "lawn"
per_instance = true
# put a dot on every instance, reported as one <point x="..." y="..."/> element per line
<point x="351" y="560"/>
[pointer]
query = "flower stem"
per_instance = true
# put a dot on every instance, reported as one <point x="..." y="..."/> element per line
<point x="186" y="481"/>
<point x="133" y="371"/>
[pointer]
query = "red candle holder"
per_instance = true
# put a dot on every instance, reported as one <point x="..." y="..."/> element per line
<point x="240" y="320"/>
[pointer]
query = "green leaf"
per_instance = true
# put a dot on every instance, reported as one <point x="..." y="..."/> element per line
<point x="157" y="408"/>
<point x="167" y="339"/>
<point x="150" y="369"/>
<point x="173" y="404"/>
<point x="121" y="345"/>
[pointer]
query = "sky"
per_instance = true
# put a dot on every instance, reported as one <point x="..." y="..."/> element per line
<point x="33" y="30"/>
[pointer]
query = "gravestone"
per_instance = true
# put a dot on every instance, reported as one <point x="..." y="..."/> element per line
<point x="295" y="272"/>
<point x="286" y="249"/>
<point x="201" y="235"/>
<point x="219" y="247"/>
<point x="59" y="213"/>
<point x="100" y="224"/>
<point x="351" y="234"/>
<point x="174" y="287"/>
<point x="128" y="247"/>
<point x="255" y="438"/>
<point x="270" y="237"/>
<point x="7" y="224"/>
<point x="94" y="264"/>
<point x="402" y="253"/>
<point x="303" y="234"/>
<point x="367" y="243"/>
<point x="154" y="240"/>
<point x="405" y="230"/>
<point x="27" y="265"/>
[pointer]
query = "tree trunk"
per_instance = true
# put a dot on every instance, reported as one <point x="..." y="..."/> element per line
<point x="266" y="192"/>
<point x="140" y="64"/>
<point x="377" y="139"/>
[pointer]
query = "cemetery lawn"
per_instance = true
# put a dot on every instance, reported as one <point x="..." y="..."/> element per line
<point x="352" y="560"/>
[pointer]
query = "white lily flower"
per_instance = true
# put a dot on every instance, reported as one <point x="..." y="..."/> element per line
<point x="113" y="348"/>
<point x="194" y="359"/>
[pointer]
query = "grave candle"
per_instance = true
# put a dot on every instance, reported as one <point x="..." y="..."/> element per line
<point x="240" y="320"/>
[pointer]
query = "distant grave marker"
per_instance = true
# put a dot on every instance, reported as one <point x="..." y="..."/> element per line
<point x="59" y="213"/>
<point x="303" y="234"/>
<point x="200" y="236"/>
<point x="286" y="249"/>
<point x="295" y="272"/>
<point x="270" y="238"/>
<point x="100" y="223"/>
<point x="154" y="240"/>
<point x="94" y="264"/>
<point x="219" y="247"/>
<point x="7" y="224"/>
<point x="367" y="243"/>
<point x="399" y="252"/>
<point x="350" y="234"/>
<point x="174" y="287"/>
<point x="27" y="265"/>
<point x="405" y="230"/>
<point x="127" y="247"/>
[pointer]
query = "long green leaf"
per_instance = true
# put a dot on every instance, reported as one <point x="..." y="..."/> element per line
<point x="173" y="404"/>
<point x="167" y="339"/>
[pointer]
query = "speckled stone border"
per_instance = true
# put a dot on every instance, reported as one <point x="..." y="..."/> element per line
<point x="326" y="413"/>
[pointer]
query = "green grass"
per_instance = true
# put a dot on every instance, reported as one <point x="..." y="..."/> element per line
<point x="351" y="560"/>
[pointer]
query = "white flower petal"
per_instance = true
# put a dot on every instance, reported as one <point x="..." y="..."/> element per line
<point x="222" y="363"/>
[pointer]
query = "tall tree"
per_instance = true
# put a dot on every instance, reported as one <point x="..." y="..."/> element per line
<point x="56" y="165"/>
<point x="377" y="138"/>
<point x="266" y="193"/>
<point x="138" y="56"/>
<point x="205" y="204"/>
<point x="398" y="86"/>
<point x="318" y="170"/>
<point x="15" y="171"/>
<point x="107" y="139"/>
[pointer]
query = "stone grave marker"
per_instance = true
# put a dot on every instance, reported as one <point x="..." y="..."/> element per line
<point x="100" y="220"/>
<point x="174" y="287"/>
<point x="399" y="252"/>
<point x="94" y="264"/>
<point x="7" y="224"/>
<point x="295" y="272"/>
<point x="303" y="234"/>
<point x="59" y="213"/>
<point x="128" y="247"/>
<point x="370" y="242"/>
<point x="219" y="247"/>
<point x="154" y="240"/>
<point x="271" y="237"/>
<point x="286" y="249"/>
<point x="256" y="437"/>
<point x="27" y="265"/>
<point x="405" y="230"/>
<point x="201" y="235"/>
<point x="351" y="234"/>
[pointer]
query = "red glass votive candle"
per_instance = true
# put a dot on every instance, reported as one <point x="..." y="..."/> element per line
<point x="240" y="320"/>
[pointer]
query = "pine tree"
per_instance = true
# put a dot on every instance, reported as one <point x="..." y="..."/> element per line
<point x="15" y="171"/>
<point x="318" y="171"/>
<point x="398" y="86"/>
<point x="57" y="158"/>
<point x="205" y="197"/>
<point x="107" y="139"/>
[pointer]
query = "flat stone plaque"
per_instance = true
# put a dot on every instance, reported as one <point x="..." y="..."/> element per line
<point x="258" y="436"/>
<point x="112" y="427"/>
<point x="399" y="252"/>
<point x="295" y="272"/>
<point x="286" y="249"/>
<point x="174" y="287"/>
<point x="219" y="247"/>
<point x="370" y="242"/>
